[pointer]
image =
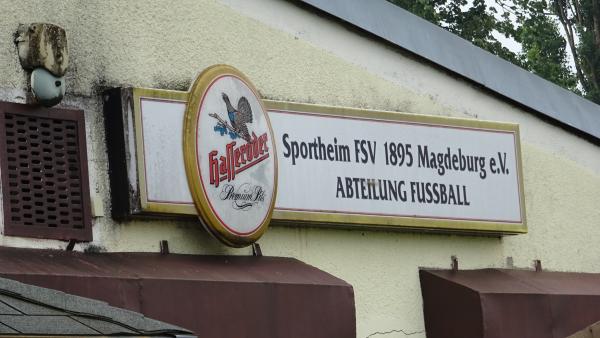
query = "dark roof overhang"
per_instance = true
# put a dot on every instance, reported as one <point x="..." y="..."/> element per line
<point x="27" y="310"/>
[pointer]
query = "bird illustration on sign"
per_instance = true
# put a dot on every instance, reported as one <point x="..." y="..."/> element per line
<point x="238" y="117"/>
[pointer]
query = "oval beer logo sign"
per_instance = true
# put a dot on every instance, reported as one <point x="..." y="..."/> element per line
<point x="229" y="154"/>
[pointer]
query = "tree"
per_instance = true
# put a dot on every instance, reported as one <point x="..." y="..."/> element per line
<point x="474" y="23"/>
<point x="543" y="47"/>
<point x="534" y="24"/>
<point x="581" y="19"/>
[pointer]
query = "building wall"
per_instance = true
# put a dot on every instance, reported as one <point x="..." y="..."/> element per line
<point x="293" y="54"/>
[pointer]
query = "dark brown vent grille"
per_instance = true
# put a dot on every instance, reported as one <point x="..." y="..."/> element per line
<point x="44" y="173"/>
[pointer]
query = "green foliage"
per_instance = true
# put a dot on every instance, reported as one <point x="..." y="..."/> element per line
<point x="590" y="64"/>
<point x="535" y="25"/>
<point x="423" y="8"/>
<point x="583" y="17"/>
<point x="543" y="47"/>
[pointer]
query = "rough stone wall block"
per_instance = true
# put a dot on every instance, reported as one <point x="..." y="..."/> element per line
<point x="43" y="45"/>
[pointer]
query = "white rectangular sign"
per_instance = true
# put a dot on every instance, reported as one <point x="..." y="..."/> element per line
<point x="365" y="166"/>
<point x="352" y="167"/>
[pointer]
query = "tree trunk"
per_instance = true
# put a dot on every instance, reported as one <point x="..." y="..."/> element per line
<point x="561" y="7"/>
<point x="596" y="22"/>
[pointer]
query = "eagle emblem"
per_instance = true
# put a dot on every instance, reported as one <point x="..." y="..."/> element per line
<point x="238" y="117"/>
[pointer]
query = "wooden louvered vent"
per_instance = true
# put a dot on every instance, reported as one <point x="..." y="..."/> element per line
<point x="44" y="173"/>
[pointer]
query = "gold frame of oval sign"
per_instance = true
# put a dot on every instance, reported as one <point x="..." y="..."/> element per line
<point x="190" y="155"/>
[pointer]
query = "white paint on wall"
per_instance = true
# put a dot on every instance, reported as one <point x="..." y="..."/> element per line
<point x="292" y="54"/>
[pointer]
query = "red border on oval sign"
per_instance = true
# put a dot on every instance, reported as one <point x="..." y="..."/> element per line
<point x="211" y="219"/>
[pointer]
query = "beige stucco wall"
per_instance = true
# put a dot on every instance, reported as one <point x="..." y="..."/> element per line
<point x="292" y="54"/>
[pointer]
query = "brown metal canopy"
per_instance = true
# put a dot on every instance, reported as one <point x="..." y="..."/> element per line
<point x="214" y="296"/>
<point x="496" y="303"/>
